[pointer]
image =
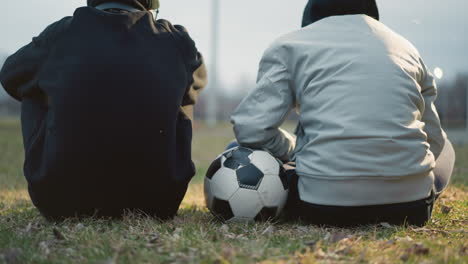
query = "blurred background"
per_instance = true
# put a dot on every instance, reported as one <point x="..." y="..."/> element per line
<point x="232" y="36"/>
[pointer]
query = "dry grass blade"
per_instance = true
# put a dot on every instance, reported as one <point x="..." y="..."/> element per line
<point x="58" y="235"/>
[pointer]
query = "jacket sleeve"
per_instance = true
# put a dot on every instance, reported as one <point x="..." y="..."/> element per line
<point x="191" y="96"/>
<point x="435" y="134"/>
<point x="196" y="69"/>
<point x="258" y="118"/>
<point x="20" y="72"/>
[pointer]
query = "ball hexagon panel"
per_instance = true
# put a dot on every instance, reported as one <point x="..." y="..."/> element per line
<point x="237" y="158"/>
<point x="265" y="162"/>
<point x="231" y="163"/>
<point x="246" y="204"/>
<point x="222" y="209"/>
<point x="208" y="193"/>
<point x="241" y="153"/>
<point x="272" y="192"/>
<point x="214" y="167"/>
<point x="249" y="177"/>
<point x="224" y="184"/>
<point x="267" y="213"/>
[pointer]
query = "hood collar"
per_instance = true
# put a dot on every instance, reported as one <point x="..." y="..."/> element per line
<point x="139" y="4"/>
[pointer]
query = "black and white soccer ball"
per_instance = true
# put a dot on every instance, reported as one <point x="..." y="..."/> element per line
<point x="244" y="185"/>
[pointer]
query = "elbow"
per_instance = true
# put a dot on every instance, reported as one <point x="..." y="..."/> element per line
<point x="248" y="134"/>
<point x="8" y="83"/>
<point x="13" y="92"/>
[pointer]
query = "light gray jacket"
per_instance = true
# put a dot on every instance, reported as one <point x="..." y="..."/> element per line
<point x="368" y="130"/>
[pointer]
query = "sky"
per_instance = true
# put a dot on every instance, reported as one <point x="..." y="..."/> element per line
<point x="247" y="27"/>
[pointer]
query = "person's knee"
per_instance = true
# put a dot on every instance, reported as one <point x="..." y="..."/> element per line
<point x="445" y="164"/>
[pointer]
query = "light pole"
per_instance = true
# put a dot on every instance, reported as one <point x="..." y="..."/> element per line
<point x="211" y="106"/>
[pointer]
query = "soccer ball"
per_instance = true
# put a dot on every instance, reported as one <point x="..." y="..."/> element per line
<point x="244" y="185"/>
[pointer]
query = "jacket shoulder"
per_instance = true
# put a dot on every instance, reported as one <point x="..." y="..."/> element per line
<point x="166" y="26"/>
<point x="53" y="31"/>
<point x="179" y="32"/>
<point x="183" y="39"/>
<point x="282" y="47"/>
<point x="387" y="34"/>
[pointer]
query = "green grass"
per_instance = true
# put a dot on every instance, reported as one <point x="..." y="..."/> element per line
<point x="195" y="237"/>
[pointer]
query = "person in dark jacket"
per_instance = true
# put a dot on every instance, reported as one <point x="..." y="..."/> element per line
<point x="107" y="102"/>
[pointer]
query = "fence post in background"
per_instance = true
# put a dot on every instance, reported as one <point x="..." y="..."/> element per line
<point x="211" y="106"/>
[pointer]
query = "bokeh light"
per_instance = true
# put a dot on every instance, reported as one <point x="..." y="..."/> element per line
<point x="438" y="73"/>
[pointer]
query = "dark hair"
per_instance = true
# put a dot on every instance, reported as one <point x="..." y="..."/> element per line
<point x="319" y="9"/>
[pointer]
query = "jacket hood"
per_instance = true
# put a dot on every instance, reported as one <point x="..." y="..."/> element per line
<point x="141" y="4"/>
<point x="319" y="9"/>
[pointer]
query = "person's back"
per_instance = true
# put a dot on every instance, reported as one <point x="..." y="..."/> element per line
<point x="359" y="81"/>
<point x="368" y="133"/>
<point x="102" y="110"/>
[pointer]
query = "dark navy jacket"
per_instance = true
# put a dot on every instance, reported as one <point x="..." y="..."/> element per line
<point x="105" y="113"/>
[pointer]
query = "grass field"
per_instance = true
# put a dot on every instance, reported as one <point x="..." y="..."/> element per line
<point x="195" y="237"/>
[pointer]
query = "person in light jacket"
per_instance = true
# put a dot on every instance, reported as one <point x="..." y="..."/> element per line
<point x="107" y="104"/>
<point x="369" y="146"/>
